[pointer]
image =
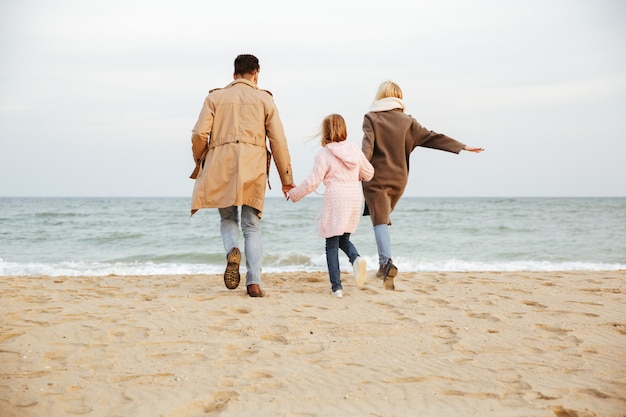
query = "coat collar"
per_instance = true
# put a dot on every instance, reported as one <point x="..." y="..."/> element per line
<point x="385" y="104"/>
<point x="243" y="81"/>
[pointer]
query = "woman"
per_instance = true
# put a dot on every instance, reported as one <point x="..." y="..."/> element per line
<point x="389" y="137"/>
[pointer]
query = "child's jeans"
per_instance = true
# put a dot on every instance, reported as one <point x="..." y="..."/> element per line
<point x="333" y="244"/>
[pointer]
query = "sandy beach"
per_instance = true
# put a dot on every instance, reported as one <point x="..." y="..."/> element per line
<point x="441" y="344"/>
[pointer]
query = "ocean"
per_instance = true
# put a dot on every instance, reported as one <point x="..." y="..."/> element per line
<point x="157" y="236"/>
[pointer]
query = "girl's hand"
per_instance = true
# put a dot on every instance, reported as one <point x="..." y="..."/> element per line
<point x="473" y="149"/>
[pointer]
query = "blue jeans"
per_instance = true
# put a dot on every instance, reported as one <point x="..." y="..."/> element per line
<point x="383" y="243"/>
<point x="333" y="244"/>
<point x="253" y="238"/>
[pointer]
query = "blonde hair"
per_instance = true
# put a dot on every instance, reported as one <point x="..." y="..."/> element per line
<point x="388" y="89"/>
<point x="333" y="129"/>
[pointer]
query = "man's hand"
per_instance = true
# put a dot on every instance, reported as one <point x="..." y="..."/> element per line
<point x="286" y="189"/>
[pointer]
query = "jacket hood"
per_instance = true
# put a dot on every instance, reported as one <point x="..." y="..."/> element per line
<point x="345" y="151"/>
<point x="386" y="104"/>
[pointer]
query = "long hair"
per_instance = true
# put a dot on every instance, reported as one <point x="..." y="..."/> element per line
<point x="333" y="129"/>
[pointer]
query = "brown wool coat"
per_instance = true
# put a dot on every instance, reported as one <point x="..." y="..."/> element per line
<point x="389" y="137"/>
<point x="229" y="147"/>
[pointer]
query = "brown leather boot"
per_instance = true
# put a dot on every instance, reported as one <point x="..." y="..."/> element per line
<point x="389" y="273"/>
<point x="231" y="274"/>
<point x="254" y="290"/>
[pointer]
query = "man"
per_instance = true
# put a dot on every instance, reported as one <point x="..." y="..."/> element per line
<point x="232" y="162"/>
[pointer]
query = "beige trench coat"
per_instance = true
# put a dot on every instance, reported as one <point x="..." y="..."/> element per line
<point x="229" y="147"/>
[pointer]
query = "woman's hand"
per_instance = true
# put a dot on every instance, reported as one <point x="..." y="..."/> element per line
<point x="473" y="149"/>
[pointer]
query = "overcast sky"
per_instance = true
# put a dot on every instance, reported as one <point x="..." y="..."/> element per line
<point x="98" y="98"/>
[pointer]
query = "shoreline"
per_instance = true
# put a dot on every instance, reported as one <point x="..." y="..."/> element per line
<point x="217" y="269"/>
<point x="523" y="343"/>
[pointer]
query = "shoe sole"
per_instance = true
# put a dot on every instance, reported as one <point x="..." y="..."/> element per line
<point x="391" y="274"/>
<point x="231" y="274"/>
<point x="361" y="275"/>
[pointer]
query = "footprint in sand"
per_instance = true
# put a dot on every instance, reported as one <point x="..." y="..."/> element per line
<point x="443" y="332"/>
<point x="123" y="334"/>
<point x="212" y="405"/>
<point x="485" y="316"/>
<point x="566" y="412"/>
<point x="276" y="334"/>
<point x="444" y="303"/>
<point x="180" y="358"/>
<point x="308" y="349"/>
<point x="620" y="327"/>
<point x="241" y="310"/>
<point x="592" y="392"/>
<point x="263" y="382"/>
<point x="479" y="395"/>
<point x="513" y="381"/>
<point x="552" y="329"/>
<point x="370" y="290"/>
<point x="259" y="375"/>
<point x="533" y="304"/>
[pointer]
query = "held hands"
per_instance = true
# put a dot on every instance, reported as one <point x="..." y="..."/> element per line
<point x="473" y="149"/>
<point x="286" y="189"/>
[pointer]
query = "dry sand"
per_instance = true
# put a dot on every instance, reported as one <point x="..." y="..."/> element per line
<point x="442" y="344"/>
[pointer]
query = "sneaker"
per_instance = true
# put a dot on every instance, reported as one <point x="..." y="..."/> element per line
<point x="231" y="274"/>
<point x="360" y="271"/>
<point x="338" y="293"/>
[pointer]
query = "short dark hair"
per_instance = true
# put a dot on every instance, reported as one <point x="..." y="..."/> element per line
<point x="246" y="64"/>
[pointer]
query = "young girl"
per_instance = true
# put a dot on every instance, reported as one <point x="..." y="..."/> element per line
<point x="341" y="165"/>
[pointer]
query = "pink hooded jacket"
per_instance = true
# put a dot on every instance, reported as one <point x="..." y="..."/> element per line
<point x="341" y="166"/>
